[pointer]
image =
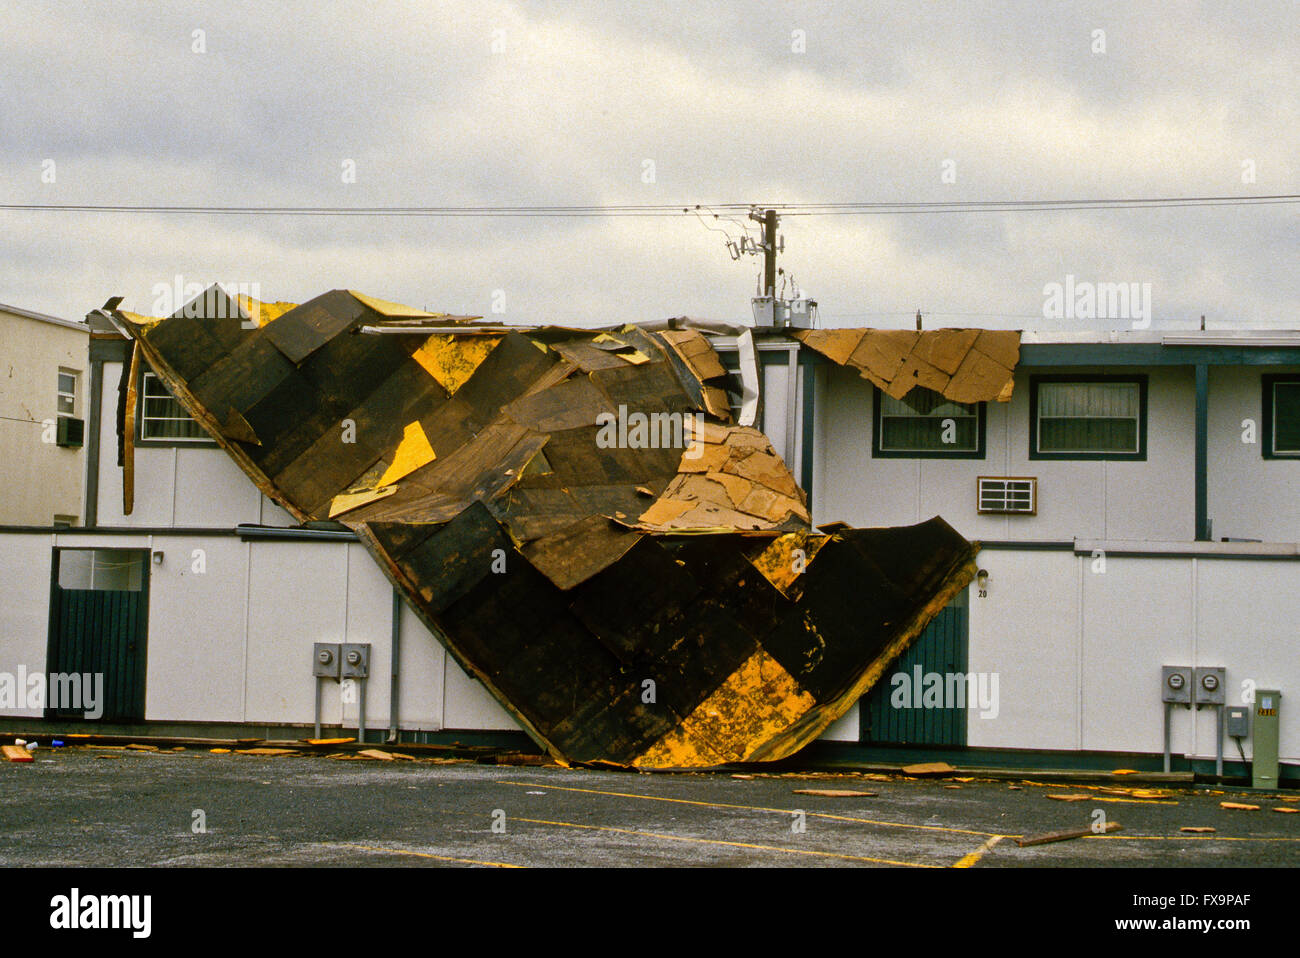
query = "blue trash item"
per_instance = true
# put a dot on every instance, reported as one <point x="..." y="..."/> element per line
<point x="56" y="744"/>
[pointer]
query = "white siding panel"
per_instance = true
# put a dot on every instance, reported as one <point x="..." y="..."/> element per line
<point x="195" y="652"/>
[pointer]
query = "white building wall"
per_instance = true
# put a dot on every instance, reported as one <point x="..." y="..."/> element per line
<point x="25" y="568"/>
<point x="186" y="486"/>
<point x="1078" y="652"/>
<point x="1249" y="497"/>
<point x="1154" y="499"/>
<point x="40" y="478"/>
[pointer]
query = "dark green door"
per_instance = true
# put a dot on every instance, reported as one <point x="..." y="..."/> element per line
<point x="99" y="606"/>
<point x="921" y="700"/>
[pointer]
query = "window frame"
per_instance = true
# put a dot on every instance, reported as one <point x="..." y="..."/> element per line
<point x="1268" y="411"/>
<point x="142" y="440"/>
<point x="1140" y="455"/>
<point x="59" y="394"/>
<point x="979" y="452"/>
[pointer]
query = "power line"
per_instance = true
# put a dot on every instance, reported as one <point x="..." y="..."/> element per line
<point x="668" y="209"/>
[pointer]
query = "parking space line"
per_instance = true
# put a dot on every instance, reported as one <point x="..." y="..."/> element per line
<point x="752" y="808"/>
<point x="1198" y="838"/>
<point x="969" y="861"/>
<point x="445" y="858"/>
<point x="718" y="841"/>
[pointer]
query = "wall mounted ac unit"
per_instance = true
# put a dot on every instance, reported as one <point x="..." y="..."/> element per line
<point x="1008" y="494"/>
<point x="71" y="432"/>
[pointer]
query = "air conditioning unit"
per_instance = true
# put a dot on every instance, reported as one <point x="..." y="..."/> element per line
<point x="71" y="432"/>
<point x="1008" y="495"/>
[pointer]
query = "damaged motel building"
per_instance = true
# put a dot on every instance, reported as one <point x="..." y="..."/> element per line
<point x="674" y="544"/>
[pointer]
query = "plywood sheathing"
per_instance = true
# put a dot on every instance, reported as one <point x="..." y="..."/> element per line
<point x="557" y="570"/>
<point x="729" y="477"/>
<point x="964" y="365"/>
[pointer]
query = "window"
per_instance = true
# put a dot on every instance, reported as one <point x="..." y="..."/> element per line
<point x="925" y="425"/>
<point x="67" y="403"/>
<point x="162" y="417"/>
<point x="1281" y="419"/>
<point x="1088" y="417"/>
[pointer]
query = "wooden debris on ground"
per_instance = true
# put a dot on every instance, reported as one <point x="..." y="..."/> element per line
<point x="1069" y="798"/>
<point x="834" y="793"/>
<point x="1197" y="829"/>
<point x="267" y="752"/>
<point x="1239" y="806"/>
<point x="1050" y="837"/>
<point x="15" y="753"/>
<point x="929" y="768"/>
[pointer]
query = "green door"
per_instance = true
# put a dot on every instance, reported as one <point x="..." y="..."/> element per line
<point x="99" y="606"/>
<point x="921" y="701"/>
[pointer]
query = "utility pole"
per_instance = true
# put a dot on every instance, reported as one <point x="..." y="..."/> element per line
<point x="769" y="221"/>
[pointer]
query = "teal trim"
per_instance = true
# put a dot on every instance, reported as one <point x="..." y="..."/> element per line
<point x="1154" y="354"/>
<point x="1202" y="452"/>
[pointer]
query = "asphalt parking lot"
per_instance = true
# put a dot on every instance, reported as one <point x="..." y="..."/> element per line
<point x="119" y="807"/>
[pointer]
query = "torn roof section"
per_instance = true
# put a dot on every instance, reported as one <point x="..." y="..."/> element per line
<point x="334" y="422"/>
<point x="573" y="512"/>
<point x="964" y="365"/>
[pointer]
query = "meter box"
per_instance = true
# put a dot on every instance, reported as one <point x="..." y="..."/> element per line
<point x="1176" y="684"/>
<point x="325" y="659"/>
<point x="1237" y="721"/>
<point x="356" y="660"/>
<point x="1208" y="686"/>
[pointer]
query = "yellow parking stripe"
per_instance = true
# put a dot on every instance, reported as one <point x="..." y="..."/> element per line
<point x="968" y="861"/>
<point x="752" y="808"/>
<point x="715" y="841"/>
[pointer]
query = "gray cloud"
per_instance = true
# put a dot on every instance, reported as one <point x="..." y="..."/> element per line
<point x="583" y="94"/>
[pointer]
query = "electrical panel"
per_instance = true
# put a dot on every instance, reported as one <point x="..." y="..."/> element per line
<point x="356" y="660"/>
<point x="1208" y="686"/>
<point x="1176" y="684"/>
<point x="1264" y="743"/>
<point x="325" y="659"/>
<point x="1237" y="721"/>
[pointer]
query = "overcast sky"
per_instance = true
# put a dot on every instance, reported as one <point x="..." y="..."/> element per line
<point x="496" y="103"/>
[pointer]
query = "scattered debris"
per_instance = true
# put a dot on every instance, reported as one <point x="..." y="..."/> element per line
<point x="834" y="793"/>
<point x="16" y="753"/>
<point x="1289" y="811"/>
<point x="1015" y="788"/>
<point x="928" y="768"/>
<point x="745" y="777"/>
<point x="1239" y="806"/>
<point x="219" y="751"/>
<point x="1197" y="829"/>
<point x="266" y="752"/>
<point x="1067" y="835"/>
<point x="143" y="748"/>
<point x="329" y="741"/>
<point x="1126" y="771"/>
<point x="1069" y="798"/>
